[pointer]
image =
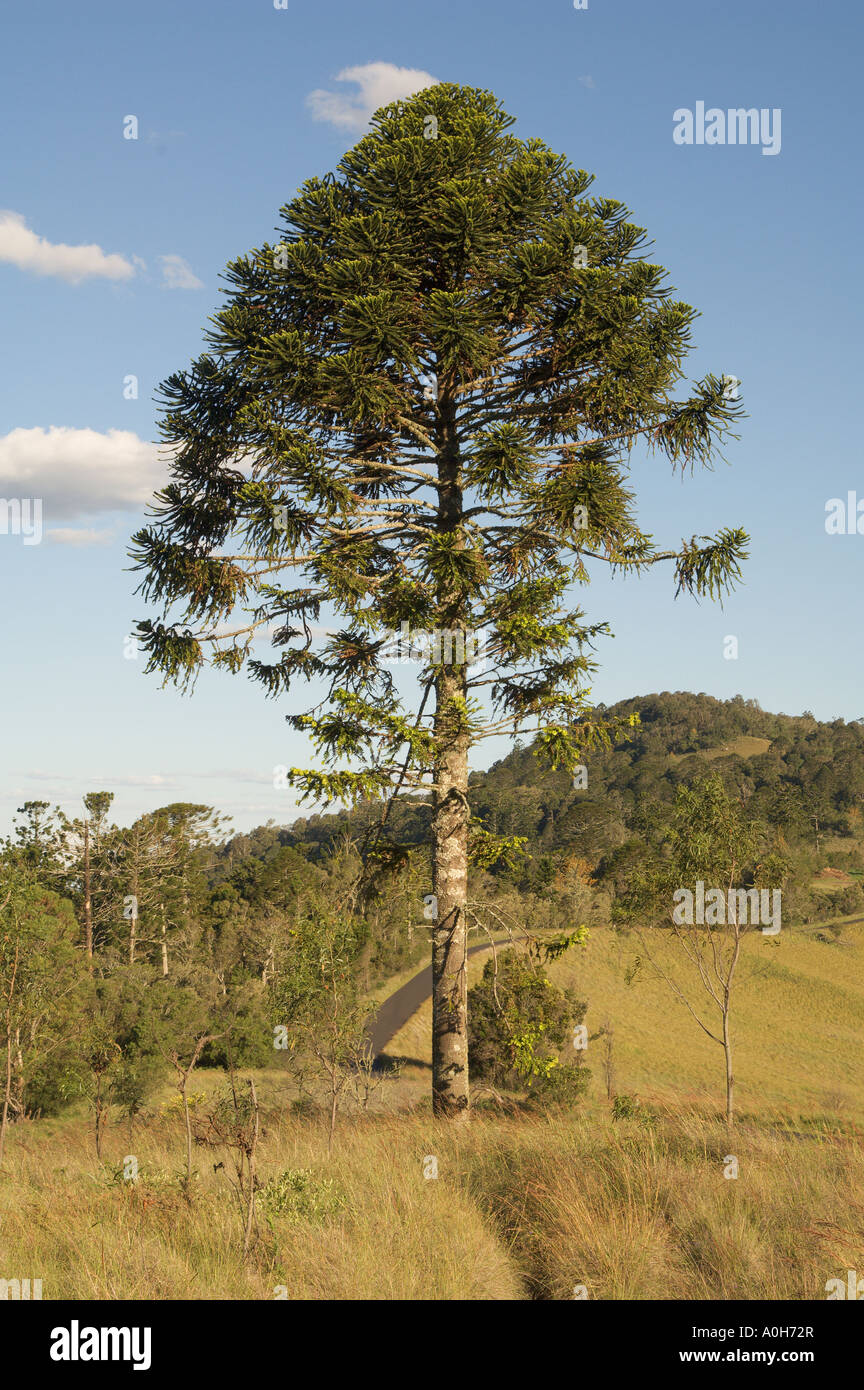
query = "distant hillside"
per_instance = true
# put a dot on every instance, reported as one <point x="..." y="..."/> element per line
<point x="802" y="779"/>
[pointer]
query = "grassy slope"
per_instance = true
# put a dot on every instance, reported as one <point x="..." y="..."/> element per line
<point x="798" y="1021"/>
<point x="747" y="746"/>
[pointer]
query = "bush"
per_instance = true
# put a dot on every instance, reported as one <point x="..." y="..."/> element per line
<point x="845" y="859"/>
<point x="249" y="1043"/>
<point x="562" y="1085"/>
<point x="298" y="1194"/>
<point x="626" y="1107"/>
<point x="518" y="1034"/>
<point x="845" y="903"/>
<point x="134" y="1082"/>
<point x="46" y="1093"/>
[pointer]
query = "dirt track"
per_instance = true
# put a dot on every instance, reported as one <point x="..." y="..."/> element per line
<point x="395" y="1012"/>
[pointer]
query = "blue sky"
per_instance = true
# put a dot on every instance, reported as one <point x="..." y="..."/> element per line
<point x="110" y="255"/>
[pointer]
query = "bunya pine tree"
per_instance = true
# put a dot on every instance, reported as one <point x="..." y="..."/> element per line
<point x="415" y="415"/>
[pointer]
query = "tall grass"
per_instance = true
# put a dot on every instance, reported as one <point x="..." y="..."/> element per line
<point x="522" y="1207"/>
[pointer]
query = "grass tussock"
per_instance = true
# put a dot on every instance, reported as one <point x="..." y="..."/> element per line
<point x="522" y="1207"/>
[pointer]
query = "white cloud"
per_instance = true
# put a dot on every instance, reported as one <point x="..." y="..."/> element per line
<point x="39" y="776"/>
<point x="70" y="535"/>
<point x="229" y="774"/>
<point x="379" y="83"/>
<point x="587" y="81"/>
<point x="156" y="779"/>
<point x="80" y="472"/>
<point x="22" y="247"/>
<point x="177" y="274"/>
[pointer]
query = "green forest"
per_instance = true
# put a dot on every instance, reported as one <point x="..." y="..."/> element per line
<point x="107" y="917"/>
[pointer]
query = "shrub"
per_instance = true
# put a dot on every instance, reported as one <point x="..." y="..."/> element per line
<point x="298" y="1194"/>
<point x="248" y="1043"/>
<point x="626" y="1107"/>
<point x="562" y="1085"/>
<point x="517" y="1021"/>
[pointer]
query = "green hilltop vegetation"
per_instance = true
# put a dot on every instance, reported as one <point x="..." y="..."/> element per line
<point x="802" y="783"/>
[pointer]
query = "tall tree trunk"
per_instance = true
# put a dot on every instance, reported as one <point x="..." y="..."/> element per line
<point x="7" y="1090"/>
<point x="164" y="944"/>
<point x="88" y="907"/>
<point x="133" y="920"/>
<point x="450" y="815"/>
<point x="449" y="934"/>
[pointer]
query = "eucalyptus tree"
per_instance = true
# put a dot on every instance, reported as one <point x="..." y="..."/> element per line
<point x="415" y="415"/>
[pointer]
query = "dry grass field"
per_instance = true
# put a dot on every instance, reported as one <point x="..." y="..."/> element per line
<point x="525" y="1205"/>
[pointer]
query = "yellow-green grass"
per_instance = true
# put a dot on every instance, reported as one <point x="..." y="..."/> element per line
<point x="525" y="1207"/>
<point x="744" y="747"/>
<point x="797" y="1022"/>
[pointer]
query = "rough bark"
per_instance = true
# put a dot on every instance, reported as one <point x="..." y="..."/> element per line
<point x="7" y="1090"/>
<point x="88" y="908"/>
<point x="450" y="816"/>
<point x="449" y="934"/>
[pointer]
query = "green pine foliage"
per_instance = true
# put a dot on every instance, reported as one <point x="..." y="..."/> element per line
<point x="418" y="406"/>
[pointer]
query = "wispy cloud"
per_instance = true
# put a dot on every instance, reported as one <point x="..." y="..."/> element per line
<point x="84" y="535"/>
<point x="233" y="774"/>
<point x="177" y="274"/>
<point x="378" y="83"/>
<point x="80" y="472"/>
<point x="155" y="779"/>
<point x="24" y="248"/>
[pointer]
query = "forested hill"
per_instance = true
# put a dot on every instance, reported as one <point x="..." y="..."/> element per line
<point x="803" y="778"/>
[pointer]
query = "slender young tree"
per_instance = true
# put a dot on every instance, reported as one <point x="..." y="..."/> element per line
<point x="415" y="416"/>
<point x="710" y="839"/>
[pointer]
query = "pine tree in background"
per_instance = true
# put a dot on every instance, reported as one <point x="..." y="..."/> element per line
<point x="417" y="408"/>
